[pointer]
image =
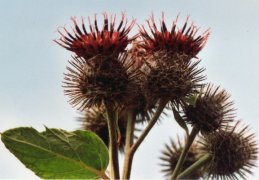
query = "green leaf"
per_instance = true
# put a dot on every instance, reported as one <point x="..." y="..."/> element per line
<point x="180" y="121"/>
<point x="58" y="154"/>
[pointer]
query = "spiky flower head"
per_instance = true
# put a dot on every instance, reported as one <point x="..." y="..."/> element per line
<point x="212" y="109"/>
<point x="172" y="153"/>
<point x="93" y="41"/>
<point x="102" y="78"/>
<point x="234" y="152"/>
<point x="94" y="119"/>
<point x="171" y="81"/>
<point x="174" y="40"/>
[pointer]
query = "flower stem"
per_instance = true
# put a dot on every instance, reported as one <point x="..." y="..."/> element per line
<point x="151" y="123"/>
<point x="130" y="151"/>
<point x="129" y="140"/>
<point x="113" y="146"/>
<point x="190" y="139"/>
<point x="195" y="166"/>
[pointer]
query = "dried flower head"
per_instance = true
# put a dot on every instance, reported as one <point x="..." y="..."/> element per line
<point x="171" y="155"/>
<point x="211" y="111"/>
<point x="94" y="120"/>
<point x="106" y="41"/>
<point x="171" y="81"/>
<point x="174" y="40"/>
<point x="101" y="78"/>
<point x="234" y="152"/>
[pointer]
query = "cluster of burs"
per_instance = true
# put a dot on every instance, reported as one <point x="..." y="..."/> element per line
<point x="145" y="72"/>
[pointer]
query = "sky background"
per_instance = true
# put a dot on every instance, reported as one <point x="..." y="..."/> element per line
<point x="32" y="65"/>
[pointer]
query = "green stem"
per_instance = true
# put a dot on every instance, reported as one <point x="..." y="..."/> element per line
<point x="129" y="141"/>
<point x="183" y="155"/>
<point x="130" y="153"/>
<point x="151" y="123"/>
<point x="195" y="166"/>
<point x="113" y="146"/>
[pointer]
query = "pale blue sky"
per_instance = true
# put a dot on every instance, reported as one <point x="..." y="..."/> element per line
<point x="32" y="65"/>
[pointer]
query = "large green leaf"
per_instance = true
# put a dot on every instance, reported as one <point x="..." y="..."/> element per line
<point x="56" y="153"/>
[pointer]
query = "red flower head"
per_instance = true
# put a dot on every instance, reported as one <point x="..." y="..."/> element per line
<point x="181" y="41"/>
<point x="106" y="41"/>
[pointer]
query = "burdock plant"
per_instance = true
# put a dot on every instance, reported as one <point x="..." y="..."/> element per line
<point x="116" y="80"/>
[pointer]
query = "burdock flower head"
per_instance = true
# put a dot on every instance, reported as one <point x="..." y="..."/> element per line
<point x="211" y="110"/>
<point x="94" y="119"/>
<point x="233" y="150"/>
<point x="171" y="155"/>
<point x="100" y="79"/>
<point x="173" y="41"/>
<point x="169" y="72"/>
<point x="105" y="41"/>
<point x="171" y="82"/>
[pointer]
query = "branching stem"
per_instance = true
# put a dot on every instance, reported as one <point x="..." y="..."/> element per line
<point x="151" y="123"/>
<point x="131" y="149"/>
<point x="195" y="166"/>
<point x="183" y="155"/>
